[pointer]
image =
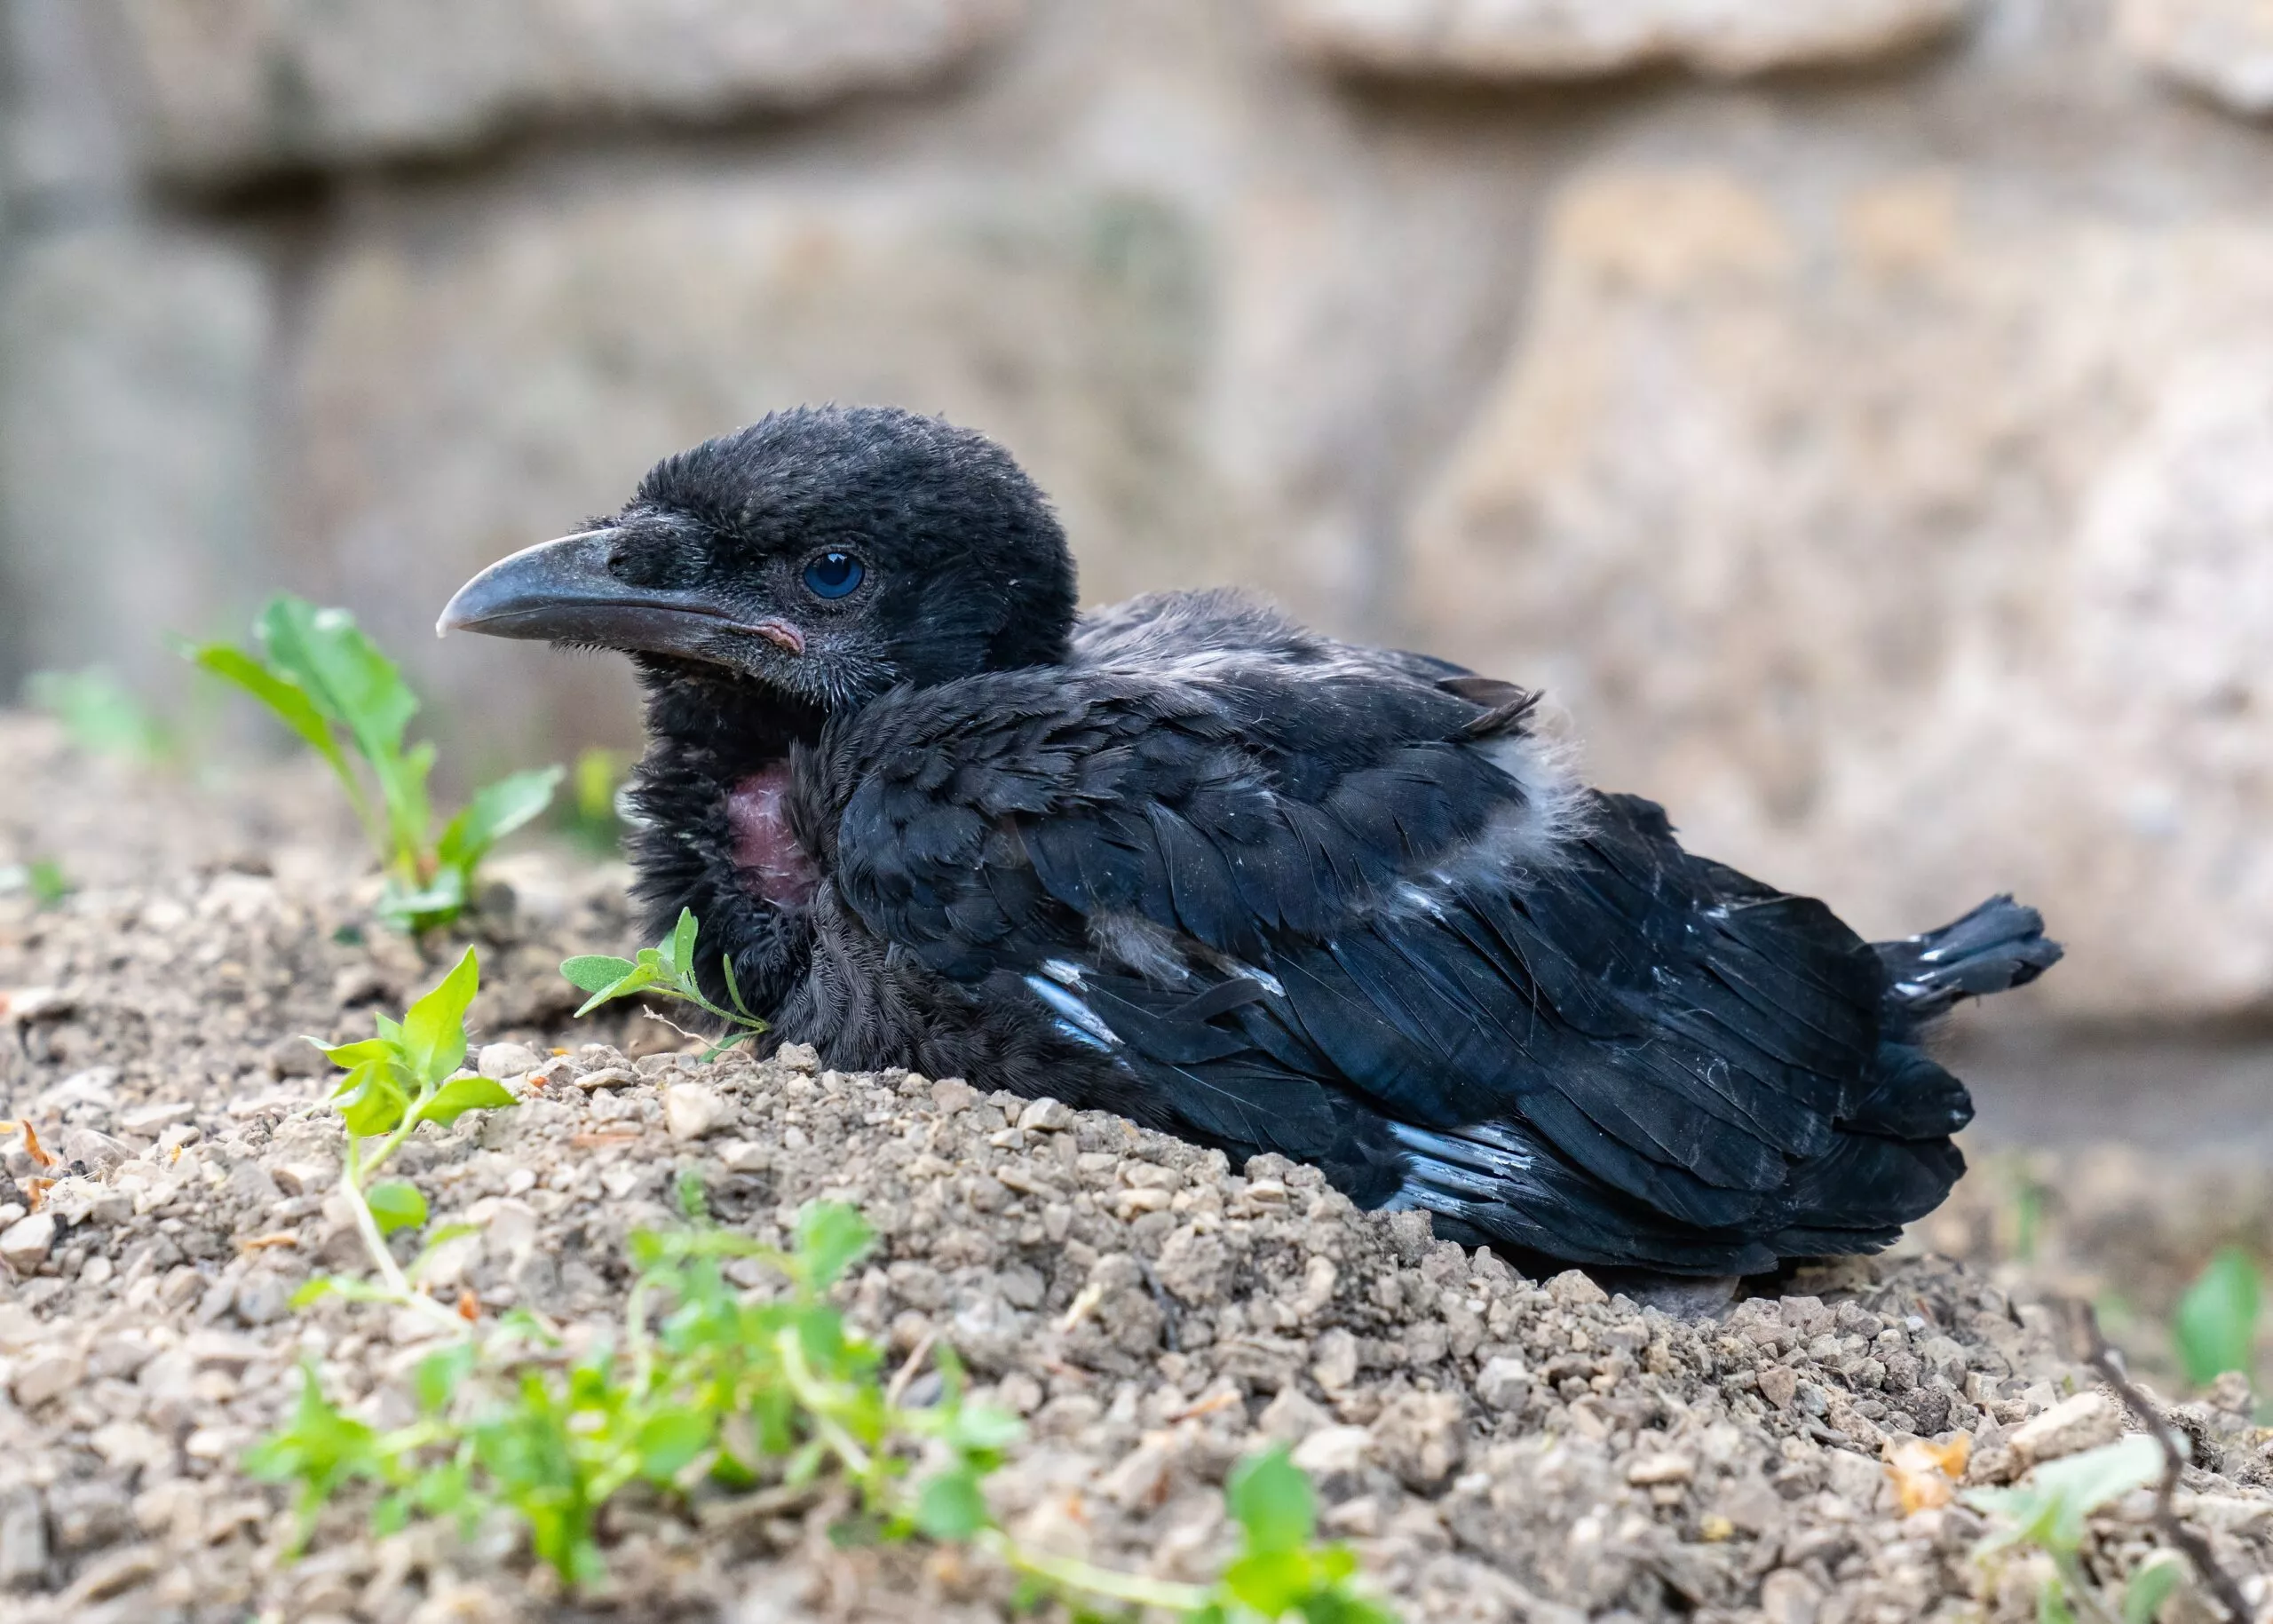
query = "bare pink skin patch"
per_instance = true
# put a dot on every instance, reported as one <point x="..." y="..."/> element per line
<point x="774" y="867"/>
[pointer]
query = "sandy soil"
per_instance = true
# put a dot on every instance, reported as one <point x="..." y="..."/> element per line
<point x="1494" y="1448"/>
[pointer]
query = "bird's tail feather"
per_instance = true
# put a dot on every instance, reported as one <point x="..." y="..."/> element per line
<point x="1999" y="945"/>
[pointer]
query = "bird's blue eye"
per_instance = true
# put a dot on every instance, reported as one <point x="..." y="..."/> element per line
<point x="833" y="575"/>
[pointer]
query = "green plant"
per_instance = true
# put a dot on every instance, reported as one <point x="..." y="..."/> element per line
<point x="589" y="817"/>
<point x="2048" y="1511"/>
<point x="666" y="972"/>
<point x="43" y="877"/>
<point x="324" y="679"/>
<point x="102" y="716"/>
<point x="411" y="1072"/>
<point x="707" y="1389"/>
<point x="2214" y="1327"/>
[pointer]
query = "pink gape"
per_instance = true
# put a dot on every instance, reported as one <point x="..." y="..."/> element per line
<point x="775" y="868"/>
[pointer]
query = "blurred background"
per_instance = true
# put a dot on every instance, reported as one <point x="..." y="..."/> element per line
<point x="1857" y="414"/>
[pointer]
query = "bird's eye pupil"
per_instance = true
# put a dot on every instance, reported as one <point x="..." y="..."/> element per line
<point x="833" y="575"/>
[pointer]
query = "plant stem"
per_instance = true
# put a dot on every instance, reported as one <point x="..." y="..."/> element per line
<point x="1076" y="1574"/>
<point x="354" y="1170"/>
<point x="817" y="1402"/>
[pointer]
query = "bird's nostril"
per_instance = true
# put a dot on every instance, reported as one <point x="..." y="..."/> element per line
<point x="619" y="564"/>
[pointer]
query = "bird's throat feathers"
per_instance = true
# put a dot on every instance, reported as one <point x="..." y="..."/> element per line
<point x="774" y="867"/>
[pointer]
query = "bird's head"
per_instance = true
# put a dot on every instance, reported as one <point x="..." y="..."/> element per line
<point x="818" y="557"/>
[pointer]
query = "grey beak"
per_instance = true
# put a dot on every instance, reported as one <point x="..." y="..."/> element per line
<point x="563" y="591"/>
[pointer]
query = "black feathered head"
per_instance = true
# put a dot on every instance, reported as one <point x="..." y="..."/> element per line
<point x="826" y="554"/>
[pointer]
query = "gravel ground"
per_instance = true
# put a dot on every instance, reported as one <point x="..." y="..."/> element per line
<point x="1494" y="1448"/>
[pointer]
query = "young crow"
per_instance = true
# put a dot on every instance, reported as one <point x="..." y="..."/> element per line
<point x="1186" y="860"/>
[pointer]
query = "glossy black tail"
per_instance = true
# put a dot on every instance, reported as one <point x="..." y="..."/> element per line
<point x="1997" y="946"/>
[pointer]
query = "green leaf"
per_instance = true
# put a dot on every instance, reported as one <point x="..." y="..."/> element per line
<point x="375" y="1102"/>
<point x="595" y="972"/>
<point x="436" y="1376"/>
<point x="369" y="1051"/>
<point x="423" y="908"/>
<point x="831" y="1235"/>
<point x="678" y="953"/>
<point x="433" y="1029"/>
<point x="642" y="977"/>
<point x="669" y="1442"/>
<point x="349" y="677"/>
<point x="2215" y="1326"/>
<point x="461" y="1094"/>
<point x="2049" y="1508"/>
<point x="2052" y="1605"/>
<point x="341" y="669"/>
<point x="1270" y="1582"/>
<point x="950" y="1506"/>
<point x="1269" y="1496"/>
<point x="2150" y="1586"/>
<point x="287" y="700"/>
<point x="102" y="714"/>
<point x="493" y="813"/>
<point x="396" y="1204"/>
<point x="982" y="1428"/>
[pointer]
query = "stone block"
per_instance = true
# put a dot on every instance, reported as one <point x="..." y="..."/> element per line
<point x="2222" y="48"/>
<point x="132" y="501"/>
<point x="460" y="394"/>
<point x="1578" y="39"/>
<point x="230" y="87"/>
<point x="1910" y="548"/>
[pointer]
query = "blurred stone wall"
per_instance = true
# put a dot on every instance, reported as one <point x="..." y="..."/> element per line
<point x="1858" y="413"/>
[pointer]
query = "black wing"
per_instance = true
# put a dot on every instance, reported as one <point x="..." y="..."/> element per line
<point x="1313" y="901"/>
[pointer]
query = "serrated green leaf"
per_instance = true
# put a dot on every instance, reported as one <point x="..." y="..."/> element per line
<point x="831" y="1235"/>
<point x="594" y="972"/>
<point x="461" y="1094"/>
<point x="433" y="1029"/>
<point x="1269" y="1496"/>
<point x="396" y="1204"/>
<point x="2215" y="1326"/>
<point x="374" y="1102"/>
<point x="949" y="1505"/>
<point x="495" y="811"/>
<point x="669" y="1442"/>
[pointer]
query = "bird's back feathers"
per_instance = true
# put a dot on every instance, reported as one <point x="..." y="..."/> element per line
<point x="1277" y="892"/>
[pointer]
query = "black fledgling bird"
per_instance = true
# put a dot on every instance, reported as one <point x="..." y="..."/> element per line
<point x="1186" y="860"/>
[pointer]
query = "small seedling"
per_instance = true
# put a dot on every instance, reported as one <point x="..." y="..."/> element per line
<point x="408" y="1074"/>
<point x="43" y="877"/>
<point x="708" y="1387"/>
<point x="2048" y="1511"/>
<point x="100" y="714"/>
<point x="590" y="817"/>
<point x="667" y="971"/>
<point x="323" y="678"/>
<point x="2215" y="1325"/>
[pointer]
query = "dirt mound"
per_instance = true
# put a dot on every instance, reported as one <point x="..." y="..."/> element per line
<point x="1494" y="1448"/>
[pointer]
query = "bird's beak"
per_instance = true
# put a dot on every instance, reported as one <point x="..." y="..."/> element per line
<point x="563" y="591"/>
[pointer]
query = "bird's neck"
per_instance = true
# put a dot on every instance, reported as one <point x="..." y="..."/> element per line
<point x="736" y="726"/>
